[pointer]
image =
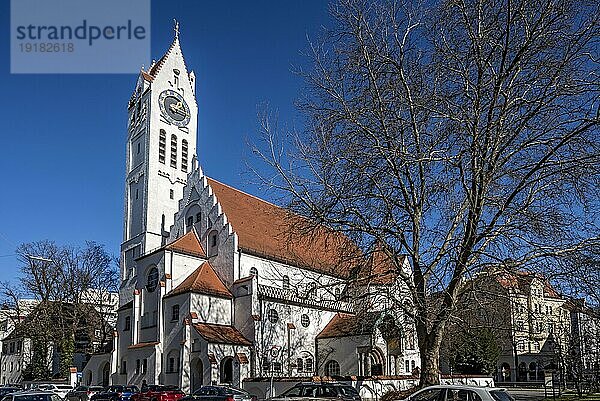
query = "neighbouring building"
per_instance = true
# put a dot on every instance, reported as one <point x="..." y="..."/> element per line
<point x="218" y="285"/>
<point x="93" y="334"/>
<point x="531" y="322"/>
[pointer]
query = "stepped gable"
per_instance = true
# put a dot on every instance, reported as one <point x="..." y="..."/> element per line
<point x="221" y="334"/>
<point x="269" y="231"/>
<point x="203" y="280"/>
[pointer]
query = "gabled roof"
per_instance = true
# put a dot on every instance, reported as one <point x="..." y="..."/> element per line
<point x="346" y="325"/>
<point x="128" y="305"/>
<point x="270" y="231"/>
<point x="188" y="244"/>
<point x="379" y="269"/>
<point x="203" y="280"/>
<point x="521" y="281"/>
<point x="221" y="334"/>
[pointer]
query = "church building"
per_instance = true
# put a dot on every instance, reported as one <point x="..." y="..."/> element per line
<point x="215" y="287"/>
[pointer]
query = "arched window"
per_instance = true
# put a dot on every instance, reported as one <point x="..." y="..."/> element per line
<point x="152" y="280"/>
<point x="273" y="316"/>
<point x="162" y="146"/>
<point x="174" y="151"/>
<point x="227" y="370"/>
<point x="337" y="293"/>
<point x="304" y="320"/>
<point x="308" y="365"/>
<point x="189" y="223"/>
<point x="127" y="325"/>
<point x="332" y="368"/>
<point x="184" y="155"/>
<point x="286" y="283"/>
<point x="173" y="361"/>
<point x="300" y="365"/>
<point x="254" y="271"/>
<point x="123" y="367"/>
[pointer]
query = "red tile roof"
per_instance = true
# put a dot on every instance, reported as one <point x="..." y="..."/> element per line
<point x="203" y="280"/>
<point x="345" y="325"/>
<point x="188" y="244"/>
<point x="379" y="269"/>
<point x="267" y="230"/>
<point x="221" y="334"/>
<point x="521" y="281"/>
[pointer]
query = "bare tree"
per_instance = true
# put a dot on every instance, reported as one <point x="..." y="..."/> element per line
<point x="73" y="286"/>
<point x="462" y="134"/>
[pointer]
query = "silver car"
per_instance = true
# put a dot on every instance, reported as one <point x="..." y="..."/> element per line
<point x="32" y="395"/>
<point x="452" y="392"/>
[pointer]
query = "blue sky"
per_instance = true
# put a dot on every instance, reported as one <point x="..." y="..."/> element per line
<point x="63" y="136"/>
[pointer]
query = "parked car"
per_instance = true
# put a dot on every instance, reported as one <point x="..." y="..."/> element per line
<point x="60" y="389"/>
<point x="32" y="395"/>
<point x="8" y="390"/>
<point x="219" y="393"/>
<point x="115" y="393"/>
<point x="322" y="390"/>
<point x="83" y="393"/>
<point x="156" y="392"/>
<point x="460" y="393"/>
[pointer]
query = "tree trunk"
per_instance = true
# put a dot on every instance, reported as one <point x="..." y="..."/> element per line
<point x="430" y="360"/>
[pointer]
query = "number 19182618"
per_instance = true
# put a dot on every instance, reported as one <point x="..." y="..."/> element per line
<point x="47" y="47"/>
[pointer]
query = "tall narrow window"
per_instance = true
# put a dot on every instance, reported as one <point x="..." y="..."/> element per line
<point x="174" y="151"/>
<point x="162" y="146"/>
<point x="286" y="283"/>
<point x="184" y="155"/>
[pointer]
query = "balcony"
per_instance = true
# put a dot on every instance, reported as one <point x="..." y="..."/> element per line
<point x="291" y="296"/>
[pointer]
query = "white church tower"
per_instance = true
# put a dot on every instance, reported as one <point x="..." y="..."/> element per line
<point x="161" y="151"/>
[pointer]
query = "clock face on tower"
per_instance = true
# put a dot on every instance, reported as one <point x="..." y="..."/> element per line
<point x="174" y="108"/>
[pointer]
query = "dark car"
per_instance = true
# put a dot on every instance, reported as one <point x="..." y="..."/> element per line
<point x="320" y="391"/>
<point x="156" y="392"/>
<point x="219" y="393"/>
<point x="115" y="393"/>
<point x="83" y="393"/>
<point x="8" y="390"/>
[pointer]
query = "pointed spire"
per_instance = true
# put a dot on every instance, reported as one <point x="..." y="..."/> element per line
<point x="176" y="28"/>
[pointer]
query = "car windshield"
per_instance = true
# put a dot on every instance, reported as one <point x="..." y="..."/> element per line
<point x="210" y="391"/>
<point x="501" y="395"/>
<point x="348" y="391"/>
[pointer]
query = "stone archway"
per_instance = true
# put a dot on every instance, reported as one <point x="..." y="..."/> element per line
<point x="376" y="362"/>
<point x="197" y="374"/>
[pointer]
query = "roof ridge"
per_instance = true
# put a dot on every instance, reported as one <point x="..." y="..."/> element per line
<point x="248" y="194"/>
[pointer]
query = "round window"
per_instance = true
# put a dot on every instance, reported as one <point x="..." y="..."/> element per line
<point x="273" y="316"/>
<point x="152" y="281"/>
<point x="304" y="320"/>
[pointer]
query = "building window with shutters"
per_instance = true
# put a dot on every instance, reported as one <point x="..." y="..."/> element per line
<point x="162" y="146"/>
<point x="184" y="155"/>
<point x="174" y="151"/>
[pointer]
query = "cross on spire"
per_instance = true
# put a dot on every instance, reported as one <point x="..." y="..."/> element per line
<point x="176" y="28"/>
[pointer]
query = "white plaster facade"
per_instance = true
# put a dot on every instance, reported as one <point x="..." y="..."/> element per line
<point x="206" y="295"/>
